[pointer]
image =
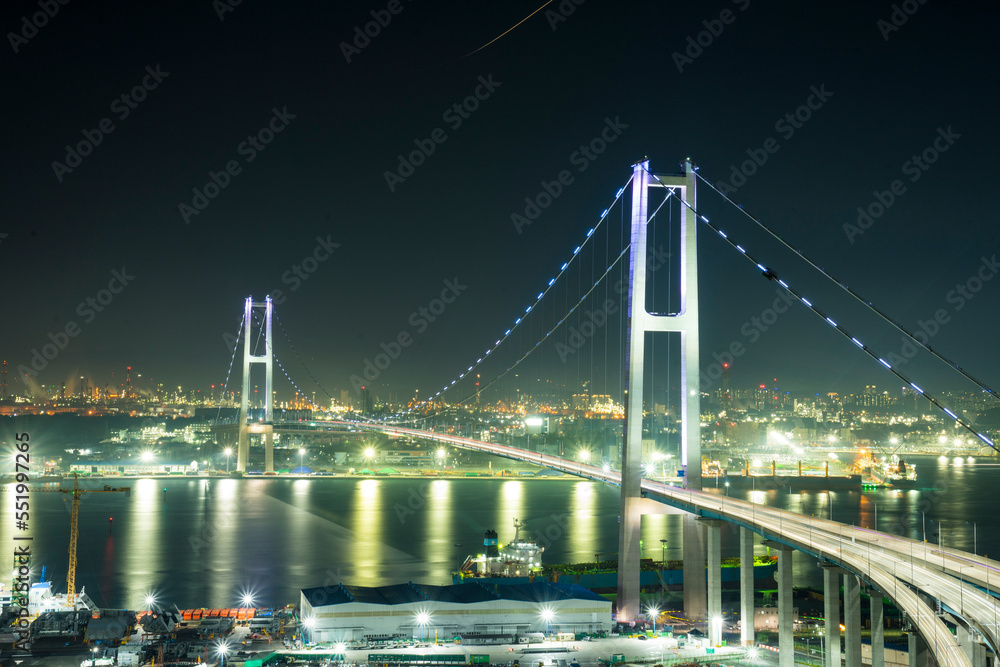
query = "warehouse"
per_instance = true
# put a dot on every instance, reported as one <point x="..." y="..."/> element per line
<point x="414" y="611"/>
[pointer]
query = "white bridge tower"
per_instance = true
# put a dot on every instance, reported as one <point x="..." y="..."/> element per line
<point x="264" y="429"/>
<point x="685" y="322"/>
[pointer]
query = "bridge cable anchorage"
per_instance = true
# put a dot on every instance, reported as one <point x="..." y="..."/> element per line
<point x="868" y="304"/>
<point x="541" y="295"/>
<point x="296" y="353"/>
<point x="232" y="360"/>
<point x="867" y="350"/>
<point x="530" y="350"/>
<point x="287" y="376"/>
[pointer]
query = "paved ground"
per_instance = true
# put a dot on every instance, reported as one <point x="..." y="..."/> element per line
<point x="586" y="653"/>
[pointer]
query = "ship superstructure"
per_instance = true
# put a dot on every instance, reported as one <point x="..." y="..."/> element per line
<point x="521" y="557"/>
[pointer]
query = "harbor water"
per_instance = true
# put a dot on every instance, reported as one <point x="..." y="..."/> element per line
<point x="204" y="543"/>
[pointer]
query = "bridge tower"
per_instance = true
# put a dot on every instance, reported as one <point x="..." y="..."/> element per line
<point x="265" y="429"/>
<point x="685" y="322"/>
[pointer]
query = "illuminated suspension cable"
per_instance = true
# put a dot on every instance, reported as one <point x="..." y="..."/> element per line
<point x="771" y="275"/>
<point x="285" y="372"/>
<point x="557" y="325"/>
<point x="232" y="361"/>
<point x="538" y="299"/>
<point x="543" y="338"/>
<point x="296" y="353"/>
<point x="868" y="304"/>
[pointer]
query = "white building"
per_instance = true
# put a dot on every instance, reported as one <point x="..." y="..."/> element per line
<point x="414" y="611"/>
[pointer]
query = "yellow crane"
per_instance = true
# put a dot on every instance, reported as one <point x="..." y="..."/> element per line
<point x="74" y="529"/>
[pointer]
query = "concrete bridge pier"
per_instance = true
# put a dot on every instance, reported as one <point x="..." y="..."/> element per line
<point x="695" y="589"/>
<point x="973" y="648"/>
<point x="713" y="529"/>
<point x="875" y="601"/>
<point x="786" y="616"/>
<point x="831" y="613"/>
<point x="746" y="586"/>
<point x="919" y="654"/>
<point x="852" y="621"/>
<point x="269" y="448"/>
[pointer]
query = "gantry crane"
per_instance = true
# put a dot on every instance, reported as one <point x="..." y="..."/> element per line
<point x="74" y="529"/>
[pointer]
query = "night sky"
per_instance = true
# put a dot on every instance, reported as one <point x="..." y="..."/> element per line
<point x="713" y="81"/>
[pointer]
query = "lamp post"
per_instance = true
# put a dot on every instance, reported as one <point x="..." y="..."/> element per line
<point x="308" y="624"/>
<point x="663" y="554"/>
<point x="422" y="618"/>
<point x="653" y="613"/>
<point x="228" y="452"/>
<point x="93" y="656"/>
<point x="301" y="454"/>
<point x="547" y="614"/>
<point x="222" y="650"/>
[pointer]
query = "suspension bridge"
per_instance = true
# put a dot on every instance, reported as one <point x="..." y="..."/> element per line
<point x="913" y="574"/>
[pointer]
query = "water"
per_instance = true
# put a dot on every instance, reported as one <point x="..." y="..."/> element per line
<point x="196" y="543"/>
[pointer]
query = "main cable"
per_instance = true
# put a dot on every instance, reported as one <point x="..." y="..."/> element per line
<point x="868" y="304"/>
<point x="771" y="275"/>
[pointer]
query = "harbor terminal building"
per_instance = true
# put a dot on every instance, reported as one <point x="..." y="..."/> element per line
<point x="475" y="612"/>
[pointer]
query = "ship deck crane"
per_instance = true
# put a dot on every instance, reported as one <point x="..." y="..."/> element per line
<point x="74" y="529"/>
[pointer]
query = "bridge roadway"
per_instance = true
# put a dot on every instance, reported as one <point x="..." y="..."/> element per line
<point x="961" y="581"/>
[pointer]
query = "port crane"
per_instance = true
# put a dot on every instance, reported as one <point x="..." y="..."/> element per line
<point x="74" y="529"/>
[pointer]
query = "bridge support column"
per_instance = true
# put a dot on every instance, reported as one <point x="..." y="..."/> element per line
<point x="831" y="612"/>
<point x="786" y="614"/>
<point x="746" y="586"/>
<point x="713" y="529"/>
<point x="852" y="621"/>
<point x="917" y="649"/>
<point x="269" y="449"/>
<point x="242" y="448"/>
<point x="973" y="648"/>
<point x="878" y="627"/>
<point x="786" y="641"/>
<point x="695" y="588"/>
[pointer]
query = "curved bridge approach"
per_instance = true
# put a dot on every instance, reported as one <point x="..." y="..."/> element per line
<point x="909" y="572"/>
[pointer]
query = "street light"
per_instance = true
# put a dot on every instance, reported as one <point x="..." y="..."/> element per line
<point x="222" y="650"/>
<point x="228" y="451"/>
<point x="547" y="615"/>
<point x="308" y="623"/>
<point x="93" y="656"/>
<point x="149" y="601"/>
<point x="422" y="619"/>
<point x="247" y="599"/>
<point x="663" y="554"/>
<point x="653" y="612"/>
<point x="301" y="453"/>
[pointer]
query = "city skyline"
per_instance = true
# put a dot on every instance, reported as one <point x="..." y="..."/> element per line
<point x="171" y="164"/>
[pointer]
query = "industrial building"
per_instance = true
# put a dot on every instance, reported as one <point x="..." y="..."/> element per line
<point x="470" y="610"/>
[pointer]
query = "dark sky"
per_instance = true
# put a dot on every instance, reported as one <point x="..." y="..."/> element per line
<point x="888" y="95"/>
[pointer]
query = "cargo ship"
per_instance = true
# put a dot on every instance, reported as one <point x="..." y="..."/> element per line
<point x="895" y="472"/>
<point x="520" y="561"/>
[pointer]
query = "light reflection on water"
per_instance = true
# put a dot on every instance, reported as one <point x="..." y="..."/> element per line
<point x="203" y="543"/>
